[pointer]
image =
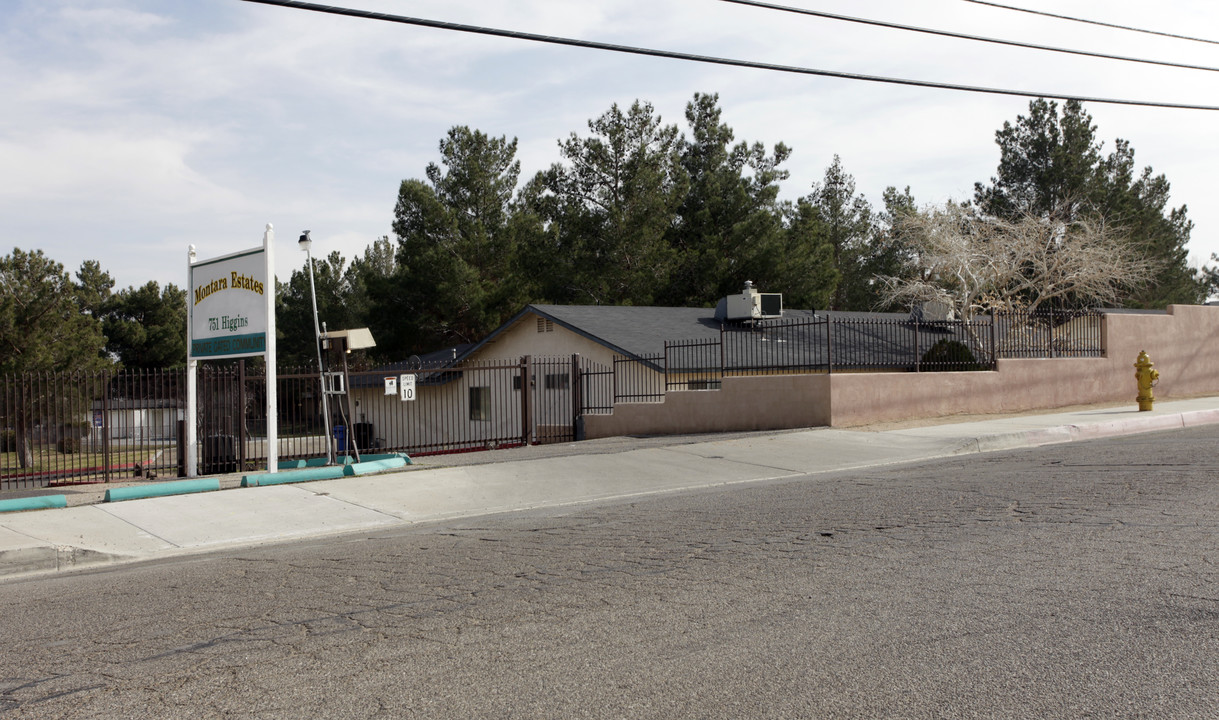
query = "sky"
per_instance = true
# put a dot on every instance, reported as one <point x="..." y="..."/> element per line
<point x="132" y="129"/>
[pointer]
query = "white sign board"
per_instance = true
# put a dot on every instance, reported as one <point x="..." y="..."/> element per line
<point x="406" y="387"/>
<point x="391" y="386"/>
<point x="228" y="299"/>
<point x="230" y="313"/>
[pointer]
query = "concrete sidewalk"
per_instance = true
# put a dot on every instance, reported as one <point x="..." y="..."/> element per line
<point x="45" y="541"/>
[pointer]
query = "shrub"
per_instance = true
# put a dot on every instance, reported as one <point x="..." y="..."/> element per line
<point x="949" y="356"/>
<point x="8" y="441"/>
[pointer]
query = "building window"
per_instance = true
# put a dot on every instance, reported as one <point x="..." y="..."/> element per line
<point x="558" y="381"/>
<point x="703" y="385"/>
<point x="480" y="403"/>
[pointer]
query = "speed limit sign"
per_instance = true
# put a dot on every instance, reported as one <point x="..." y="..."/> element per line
<point x="406" y="387"/>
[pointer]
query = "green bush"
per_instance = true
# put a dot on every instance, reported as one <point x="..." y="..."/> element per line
<point x="8" y="441"/>
<point x="949" y="356"/>
<point x="68" y="445"/>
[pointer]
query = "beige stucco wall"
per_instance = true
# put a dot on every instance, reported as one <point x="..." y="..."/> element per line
<point x="523" y="339"/>
<point x="753" y="403"/>
<point x="1184" y="345"/>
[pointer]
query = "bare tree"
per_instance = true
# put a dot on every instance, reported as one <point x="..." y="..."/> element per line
<point x="974" y="263"/>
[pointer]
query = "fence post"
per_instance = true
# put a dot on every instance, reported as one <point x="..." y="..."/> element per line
<point x="1103" y="339"/>
<point x="918" y="358"/>
<point x="526" y="400"/>
<point x="829" y="345"/>
<point x="666" y="367"/>
<point x="614" y="382"/>
<point x="1051" y="323"/>
<point x="241" y="428"/>
<point x="577" y="396"/>
<point x="994" y="339"/>
<point x="723" y="364"/>
<point x="106" y="425"/>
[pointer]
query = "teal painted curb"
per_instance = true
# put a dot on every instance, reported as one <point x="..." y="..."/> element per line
<point x="328" y="472"/>
<point x="374" y="466"/>
<point x="181" y="487"/>
<point x="290" y="464"/>
<point x="386" y="456"/>
<point x="34" y="503"/>
<point x="303" y="475"/>
<point x="348" y="460"/>
<point x="321" y="462"/>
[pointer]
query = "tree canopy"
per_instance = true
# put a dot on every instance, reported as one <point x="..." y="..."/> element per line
<point x="973" y="263"/>
<point x="146" y="327"/>
<point x="454" y="276"/>
<point x="640" y="211"/>
<point x="1052" y="166"/>
<point x="609" y="209"/>
<point x="47" y="322"/>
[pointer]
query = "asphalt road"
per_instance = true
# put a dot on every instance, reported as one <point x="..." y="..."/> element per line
<point x="1074" y="581"/>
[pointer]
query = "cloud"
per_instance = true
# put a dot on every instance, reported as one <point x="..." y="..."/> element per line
<point x="105" y="20"/>
<point x="145" y="125"/>
<point x="110" y="170"/>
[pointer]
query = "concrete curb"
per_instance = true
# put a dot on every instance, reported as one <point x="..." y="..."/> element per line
<point x="1075" y="432"/>
<point x="40" y="502"/>
<point x="46" y="558"/>
<point x="341" y="460"/>
<point x="305" y="474"/>
<point x="180" y="487"/>
<point x="309" y="473"/>
<point x="372" y="466"/>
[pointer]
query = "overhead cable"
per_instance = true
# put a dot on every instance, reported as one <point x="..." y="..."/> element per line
<point x="512" y="34"/>
<point x="1095" y="22"/>
<point x="963" y="36"/>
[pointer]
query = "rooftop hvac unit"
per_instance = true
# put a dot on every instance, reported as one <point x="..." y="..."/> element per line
<point x="750" y="305"/>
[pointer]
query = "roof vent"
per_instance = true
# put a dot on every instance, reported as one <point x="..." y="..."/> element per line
<point x="750" y="305"/>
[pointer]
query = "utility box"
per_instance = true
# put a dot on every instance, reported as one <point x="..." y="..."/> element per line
<point x="362" y="433"/>
<point x="750" y="305"/>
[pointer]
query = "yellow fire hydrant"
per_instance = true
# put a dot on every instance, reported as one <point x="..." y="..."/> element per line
<point x="1146" y="375"/>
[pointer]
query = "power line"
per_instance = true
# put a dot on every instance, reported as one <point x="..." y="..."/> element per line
<point x="553" y="40"/>
<point x="963" y="36"/>
<point x="1095" y="22"/>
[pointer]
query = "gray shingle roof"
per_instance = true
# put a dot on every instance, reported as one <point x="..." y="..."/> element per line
<point x="861" y="340"/>
<point x="644" y="330"/>
<point x="634" y="330"/>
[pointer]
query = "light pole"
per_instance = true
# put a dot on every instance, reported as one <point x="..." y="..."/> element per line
<point x="305" y="243"/>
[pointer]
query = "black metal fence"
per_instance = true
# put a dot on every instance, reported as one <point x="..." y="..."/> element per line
<point x="640" y="379"/>
<point x="62" y="429"/>
<point x="1050" y="333"/>
<point x="99" y="427"/>
<point x="830" y="343"/>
